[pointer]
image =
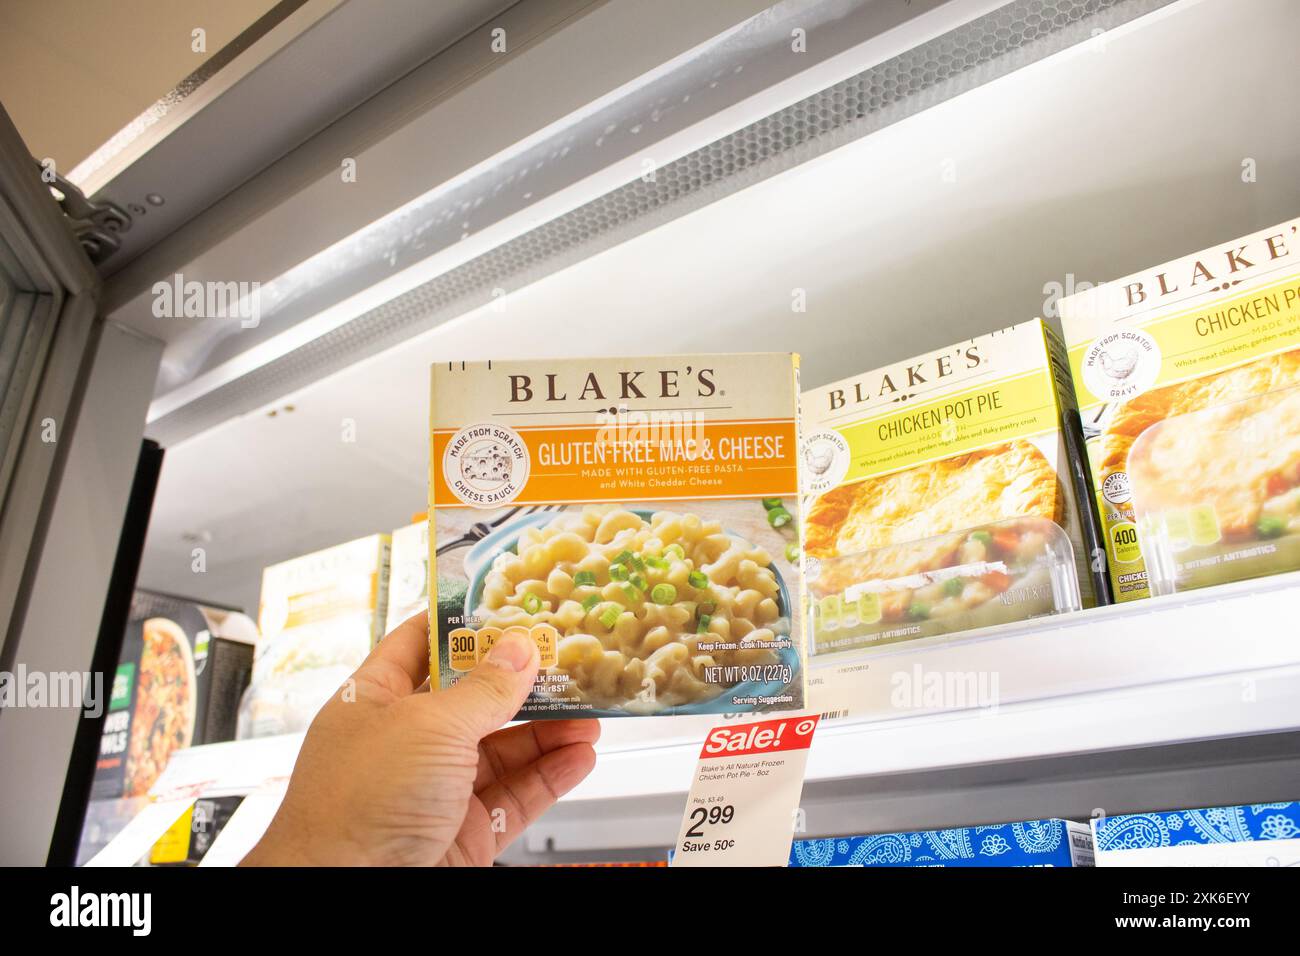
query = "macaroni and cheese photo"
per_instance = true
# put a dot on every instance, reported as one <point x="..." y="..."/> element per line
<point x="648" y="545"/>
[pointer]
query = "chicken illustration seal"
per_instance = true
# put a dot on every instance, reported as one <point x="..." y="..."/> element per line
<point x="1119" y="361"/>
<point x="825" y="459"/>
<point x="819" y="458"/>
<point x="1121" y="365"/>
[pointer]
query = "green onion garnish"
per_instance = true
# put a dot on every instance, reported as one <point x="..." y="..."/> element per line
<point x="659" y="564"/>
<point x="590" y="601"/>
<point x="638" y="581"/>
<point x="983" y="537"/>
<point x="770" y="503"/>
<point x="624" y="557"/>
<point x="609" y="617"/>
<point x="663" y="594"/>
<point x="703" y="626"/>
<point x="618" y="572"/>
<point x="583" y="578"/>
<point x="792" y="551"/>
<point x="698" y="580"/>
<point x="779" y="517"/>
<point x="633" y="594"/>
<point x="532" y="603"/>
<point x="676" y="550"/>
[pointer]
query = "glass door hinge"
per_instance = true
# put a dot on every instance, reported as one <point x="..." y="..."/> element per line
<point x="97" y="225"/>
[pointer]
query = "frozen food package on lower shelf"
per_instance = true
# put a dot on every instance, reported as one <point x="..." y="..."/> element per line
<point x="1257" y="834"/>
<point x="187" y="840"/>
<point x="635" y="517"/>
<point x="1188" y="378"/>
<point x="320" y="615"/>
<point x="180" y="674"/>
<point x="1031" y="843"/>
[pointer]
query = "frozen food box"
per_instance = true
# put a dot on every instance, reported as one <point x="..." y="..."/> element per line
<point x="1259" y="834"/>
<point x="943" y="494"/>
<point x="187" y="840"/>
<point x="408" y="575"/>
<point x="1031" y="843"/>
<point x="181" y="672"/>
<point x="1188" y="379"/>
<point x="320" y="614"/>
<point x="636" y="517"/>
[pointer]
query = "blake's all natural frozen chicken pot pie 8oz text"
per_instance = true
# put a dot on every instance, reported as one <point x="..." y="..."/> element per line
<point x="1188" y="376"/>
<point x="943" y="494"/>
<point x="637" y="518"/>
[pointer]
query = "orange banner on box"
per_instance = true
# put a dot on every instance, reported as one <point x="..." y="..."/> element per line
<point x="589" y="463"/>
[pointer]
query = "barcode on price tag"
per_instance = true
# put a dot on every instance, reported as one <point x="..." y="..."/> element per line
<point x="741" y="807"/>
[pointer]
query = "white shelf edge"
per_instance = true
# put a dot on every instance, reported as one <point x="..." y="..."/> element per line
<point x="1199" y="666"/>
<point x="1185" y="677"/>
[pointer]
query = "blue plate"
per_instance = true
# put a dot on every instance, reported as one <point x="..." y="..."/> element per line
<point x="478" y="562"/>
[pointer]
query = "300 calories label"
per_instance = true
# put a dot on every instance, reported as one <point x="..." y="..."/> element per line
<point x="743" y="801"/>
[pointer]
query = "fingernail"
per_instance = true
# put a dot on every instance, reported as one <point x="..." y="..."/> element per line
<point x="513" y="652"/>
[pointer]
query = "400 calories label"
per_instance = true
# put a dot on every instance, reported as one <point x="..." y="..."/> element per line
<point x="743" y="804"/>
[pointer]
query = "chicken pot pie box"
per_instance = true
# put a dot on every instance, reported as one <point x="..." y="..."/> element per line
<point x="943" y="494"/>
<point x="636" y="517"/>
<point x="1188" y="378"/>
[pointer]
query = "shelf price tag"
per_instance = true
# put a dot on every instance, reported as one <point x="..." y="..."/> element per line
<point x="742" y="803"/>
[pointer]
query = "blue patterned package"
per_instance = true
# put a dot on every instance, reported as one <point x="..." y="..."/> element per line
<point x="1258" y="834"/>
<point x="1031" y="843"/>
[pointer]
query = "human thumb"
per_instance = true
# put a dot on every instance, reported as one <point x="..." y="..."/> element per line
<point x="492" y="693"/>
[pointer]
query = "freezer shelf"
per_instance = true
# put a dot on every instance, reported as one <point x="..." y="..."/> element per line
<point x="1110" y="707"/>
<point x="1190" y="700"/>
<point x="1228" y="636"/>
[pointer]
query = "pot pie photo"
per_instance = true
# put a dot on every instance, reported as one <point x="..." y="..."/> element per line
<point x="648" y="609"/>
<point x="957" y="543"/>
<point x="1002" y="481"/>
<point x="165" y="700"/>
<point x="1135" y="416"/>
<point x="1217" y="491"/>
